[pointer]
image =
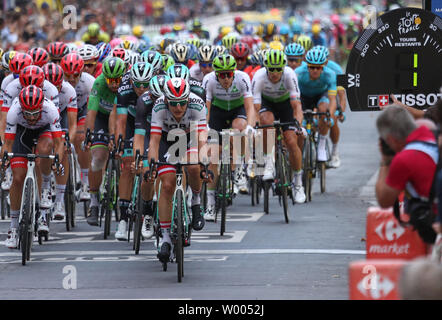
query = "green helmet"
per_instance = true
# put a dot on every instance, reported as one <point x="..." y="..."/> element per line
<point x="229" y="41"/>
<point x="93" y="29"/>
<point x="167" y="61"/>
<point x="306" y="42"/>
<point x="225" y="62"/>
<point x="113" y="67"/>
<point x="275" y="59"/>
<point x="195" y="41"/>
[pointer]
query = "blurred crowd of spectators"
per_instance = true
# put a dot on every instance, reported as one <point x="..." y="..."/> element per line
<point x="25" y="23"/>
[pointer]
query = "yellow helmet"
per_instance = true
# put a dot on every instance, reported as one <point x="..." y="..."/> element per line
<point x="177" y="27"/>
<point x="264" y="45"/>
<point x="277" y="37"/>
<point x="137" y="31"/>
<point x="276" y="45"/>
<point x="225" y="31"/>
<point x="316" y="28"/>
<point x="260" y="30"/>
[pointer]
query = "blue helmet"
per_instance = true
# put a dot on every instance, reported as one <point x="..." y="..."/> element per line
<point x="315" y="57"/>
<point x="322" y="48"/>
<point x="192" y="53"/>
<point x="296" y="28"/>
<point x="284" y="30"/>
<point x="143" y="46"/>
<point x="294" y="50"/>
<point x="154" y="58"/>
<point x="103" y="50"/>
<point x="248" y="30"/>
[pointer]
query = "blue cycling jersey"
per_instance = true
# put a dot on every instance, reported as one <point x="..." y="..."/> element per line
<point x="335" y="67"/>
<point x="311" y="88"/>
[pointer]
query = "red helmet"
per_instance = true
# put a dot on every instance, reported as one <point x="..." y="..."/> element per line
<point x="31" y="98"/>
<point x="19" y="62"/>
<point x="240" y="50"/>
<point x="237" y="19"/>
<point x="32" y="75"/>
<point x="53" y="73"/>
<point x="57" y="50"/>
<point x="119" y="53"/>
<point x="248" y="40"/>
<point x="165" y="29"/>
<point x="39" y="55"/>
<point x="72" y="63"/>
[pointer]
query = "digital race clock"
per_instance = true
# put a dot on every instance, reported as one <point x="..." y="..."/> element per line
<point x="400" y="54"/>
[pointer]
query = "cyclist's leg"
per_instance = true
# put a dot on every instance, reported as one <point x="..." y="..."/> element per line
<point x="84" y="157"/>
<point x="45" y="146"/>
<point x="61" y="180"/>
<point x="323" y="106"/>
<point x="266" y="117"/>
<point x="239" y="123"/>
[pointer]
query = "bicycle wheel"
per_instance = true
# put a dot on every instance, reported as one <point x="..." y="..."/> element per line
<point x="179" y="245"/>
<point x="3" y="204"/>
<point x="253" y="190"/>
<point x="108" y="201"/>
<point x="138" y="221"/>
<point x="25" y="223"/>
<point x="69" y="199"/>
<point x="203" y="198"/>
<point x="306" y="176"/>
<point x="266" y="185"/>
<point x="322" y="170"/>
<point x="282" y="182"/>
<point x="224" y="190"/>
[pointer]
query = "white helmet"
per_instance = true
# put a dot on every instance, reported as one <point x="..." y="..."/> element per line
<point x="122" y="30"/>
<point x="179" y="52"/>
<point x="141" y="72"/>
<point x="176" y="89"/>
<point x="88" y="52"/>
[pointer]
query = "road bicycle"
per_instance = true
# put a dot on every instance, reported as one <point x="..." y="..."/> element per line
<point x="70" y="199"/>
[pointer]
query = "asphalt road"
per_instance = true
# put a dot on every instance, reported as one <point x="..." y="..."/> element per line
<point x="260" y="257"/>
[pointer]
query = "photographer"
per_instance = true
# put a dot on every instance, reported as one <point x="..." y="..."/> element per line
<point x="409" y="158"/>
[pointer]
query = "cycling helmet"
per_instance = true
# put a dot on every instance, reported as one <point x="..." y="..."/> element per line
<point x="269" y="29"/>
<point x="248" y="40"/>
<point x="196" y="24"/>
<point x="156" y="85"/>
<point x="316" y="28"/>
<point x="206" y="53"/>
<point x="296" y="28"/>
<point x="93" y="29"/>
<point x="32" y="75"/>
<point x="240" y="50"/>
<point x="315" y="57"/>
<point x="192" y="52"/>
<point x="179" y="52"/>
<point x="167" y="61"/>
<point x="72" y="47"/>
<point x="178" y="71"/>
<point x="127" y="44"/>
<point x="142" y="46"/>
<point x="221" y="50"/>
<point x="305" y="41"/>
<point x="39" y="55"/>
<point x="122" y="30"/>
<point x="176" y="89"/>
<point x="53" y="73"/>
<point x="275" y="59"/>
<point x="88" y="52"/>
<point x="137" y="31"/>
<point x="229" y="41"/>
<point x="141" y="72"/>
<point x="195" y="41"/>
<point x="225" y="62"/>
<point x="165" y="43"/>
<point x="6" y="57"/>
<point x="31" y="98"/>
<point x="284" y="30"/>
<point x="323" y="49"/>
<point x="57" y="50"/>
<point x="113" y="67"/>
<point x="256" y="58"/>
<point x="248" y="30"/>
<point x="72" y="63"/>
<point x="19" y="61"/>
<point x="154" y="58"/>
<point x="165" y="29"/>
<point x="115" y="42"/>
<point x="103" y="50"/>
<point x="133" y="57"/>
<point x="119" y="53"/>
<point x="294" y="50"/>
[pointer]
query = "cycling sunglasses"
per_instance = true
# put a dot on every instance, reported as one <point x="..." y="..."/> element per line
<point x="295" y="59"/>
<point x="113" y="80"/>
<point x="274" y="69"/>
<point x="315" y="67"/>
<point x="141" y="85"/>
<point x="29" y="114"/>
<point x="241" y="59"/>
<point x="205" y="65"/>
<point x="176" y="103"/>
<point x="224" y="75"/>
<point x="90" y="65"/>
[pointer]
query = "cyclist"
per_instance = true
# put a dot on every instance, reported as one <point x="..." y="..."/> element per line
<point x="276" y="95"/>
<point x="181" y="54"/>
<point x="167" y="62"/>
<point x="295" y="55"/>
<point x="143" y="119"/>
<point x="228" y="41"/>
<point x="99" y="118"/>
<point x="82" y="82"/>
<point x="94" y="35"/>
<point x="181" y="71"/>
<point x="318" y="36"/>
<point x="335" y="161"/>
<point x="30" y="116"/>
<point x="134" y="84"/>
<point x="155" y="59"/>
<point x="240" y="51"/>
<point x="255" y="61"/>
<point x="318" y="89"/>
<point x="178" y="108"/>
<point x="57" y="50"/>
<point x="268" y="32"/>
<point x="229" y="103"/>
<point x="104" y="50"/>
<point x="39" y="56"/>
<point x="90" y="55"/>
<point x="206" y="54"/>
<point x="197" y="28"/>
<point x="305" y="41"/>
<point x="68" y="120"/>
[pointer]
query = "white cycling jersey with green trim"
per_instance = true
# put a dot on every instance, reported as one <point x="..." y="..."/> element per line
<point x="231" y="98"/>
<point x="285" y="89"/>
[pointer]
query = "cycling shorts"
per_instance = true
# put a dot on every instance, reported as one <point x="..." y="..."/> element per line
<point x="282" y="111"/>
<point x="313" y="102"/>
<point x="166" y="154"/>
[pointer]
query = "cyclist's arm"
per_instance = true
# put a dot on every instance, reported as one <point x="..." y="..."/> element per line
<point x="59" y="147"/>
<point x="342" y="98"/>
<point x="250" y="111"/>
<point x="93" y="106"/>
<point x="297" y="110"/>
<point x="332" y="105"/>
<point x="154" y="146"/>
<point x="208" y="105"/>
<point x="72" y="121"/>
<point x="121" y="120"/>
<point x="113" y="120"/>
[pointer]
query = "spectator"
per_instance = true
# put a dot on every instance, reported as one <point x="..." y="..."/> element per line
<point x="421" y="279"/>
<point x="409" y="158"/>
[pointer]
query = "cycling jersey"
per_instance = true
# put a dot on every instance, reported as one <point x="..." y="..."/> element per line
<point x="336" y="68"/>
<point x="326" y="83"/>
<point x="126" y="97"/>
<point x="98" y="70"/>
<point x="285" y="89"/>
<point x="143" y="116"/>
<point x="68" y="98"/>
<point x="101" y="99"/>
<point x="6" y="81"/>
<point x="13" y="90"/>
<point x="196" y="73"/>
<point x="163" y="121"/>
<point x="83" y="90"/>
<point x="197" y="88"/>
<point x="231" y="98"/>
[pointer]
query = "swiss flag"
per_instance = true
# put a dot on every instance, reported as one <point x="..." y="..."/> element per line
<point x="383" y="100"/>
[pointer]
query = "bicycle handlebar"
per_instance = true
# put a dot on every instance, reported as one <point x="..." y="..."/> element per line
<point x="278" y="124"/>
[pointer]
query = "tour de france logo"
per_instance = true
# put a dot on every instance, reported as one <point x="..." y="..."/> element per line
<point x="409" y="23"/>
